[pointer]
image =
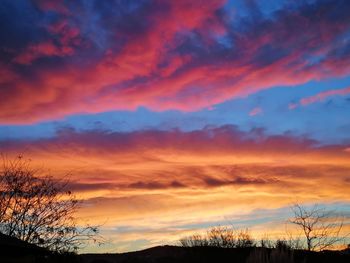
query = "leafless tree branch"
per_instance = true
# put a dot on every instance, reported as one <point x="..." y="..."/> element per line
<point x="39" y="209"/>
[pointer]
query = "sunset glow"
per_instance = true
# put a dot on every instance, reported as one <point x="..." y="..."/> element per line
<point x="170" y="117"/>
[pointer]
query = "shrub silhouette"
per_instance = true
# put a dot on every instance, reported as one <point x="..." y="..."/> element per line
<point x="195" y="240"/>
<point x="265" y="242"/>
<point x="282" y="244"/>
<point x="244" y="239"/>
<point x="219" y="236"/>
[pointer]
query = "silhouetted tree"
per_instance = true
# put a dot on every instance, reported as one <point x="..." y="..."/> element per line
<point x="244" y="239"/>
<point x="320" y="226"/>
<point x="265" y="242"/>
<point x="195" y="240"/>
<point x="39" y="209"/>
<point x="220" y="236"/>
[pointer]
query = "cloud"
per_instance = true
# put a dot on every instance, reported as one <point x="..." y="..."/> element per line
<point x="83" y="187"/>
<point x="223" y="139"/>
<point x="292" y="106"/>
<point x="324" y="95"/>
<point x="255" y="111"/>
<point x="173" y="181"/>
<point x="155" y="185"/>
<point x="174" y="160"/>
<point x="114" y="186"/>
<point x="80" y="58"/>
<point x="55" y="5"/>
<point x="215" y="182"/>
<point x="42" y="50"/>
<point x="319" y="97"/>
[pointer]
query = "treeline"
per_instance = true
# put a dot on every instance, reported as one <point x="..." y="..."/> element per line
<point x="320" y="230"/>
<point x="225" y="237"/>
<point x="240" y="245"/>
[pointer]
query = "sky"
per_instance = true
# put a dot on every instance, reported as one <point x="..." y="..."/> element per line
<point x="171" y="117"/>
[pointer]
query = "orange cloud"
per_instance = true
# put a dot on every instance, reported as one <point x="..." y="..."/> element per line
<point x="142" y="175"/>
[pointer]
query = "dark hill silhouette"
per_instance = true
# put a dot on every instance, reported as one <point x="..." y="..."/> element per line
<point x="10" y="245"/>
<point x="13" y="250"/>
<point x="172" y="254"/>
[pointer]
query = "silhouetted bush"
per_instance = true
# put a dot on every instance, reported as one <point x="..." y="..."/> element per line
<point x="194" y="241"/>
<point x="244" y="239"/>
<point x="223" y="237"/>
<point x="282" y="244"/>
<point x="266" y="243"/>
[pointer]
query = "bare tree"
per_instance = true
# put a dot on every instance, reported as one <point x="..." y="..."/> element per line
<point x="195" y="240"/>
<point x="320" y="226"/>
<point x="265" y="242"/>
<point x="244" y="239"/>
<point x="220" y="236"/>
<point x="39" y="209"/>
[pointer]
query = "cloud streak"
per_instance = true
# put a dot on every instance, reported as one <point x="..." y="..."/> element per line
<point x="161" y="181"/>
<point x="255" y="111"/>
<point x="156" y="160"/>
<point x="319" y="97"/>
<point x="161" y="55"/>
<point x="324" y="95"/>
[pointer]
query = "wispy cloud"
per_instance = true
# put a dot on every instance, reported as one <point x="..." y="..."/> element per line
<point x="324" y="95"/>
<point x="172" y="169"/>
<point x="160" y="55"/>
<point x="255" y="111"/>
<point x="319" y="97"/>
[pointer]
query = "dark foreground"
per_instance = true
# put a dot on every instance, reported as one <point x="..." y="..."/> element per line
<point x="211" y="254"/>
<point x="13" y="251"/>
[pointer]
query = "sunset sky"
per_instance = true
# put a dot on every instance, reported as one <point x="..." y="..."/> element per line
<point x="174" y="116"/>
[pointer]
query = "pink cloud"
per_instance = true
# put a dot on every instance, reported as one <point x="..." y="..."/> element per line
<point x="44" y="49"/>
<point x="53" y="5"/>
<point x="324" y="95"/>
<point x="292" y="106"/>
<point x="319" y="97"/>
<point x="68" y="39"/>
<point x="220" y="140"/>
<point x="255" y="111"/>
<point x="157" y="68"/>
